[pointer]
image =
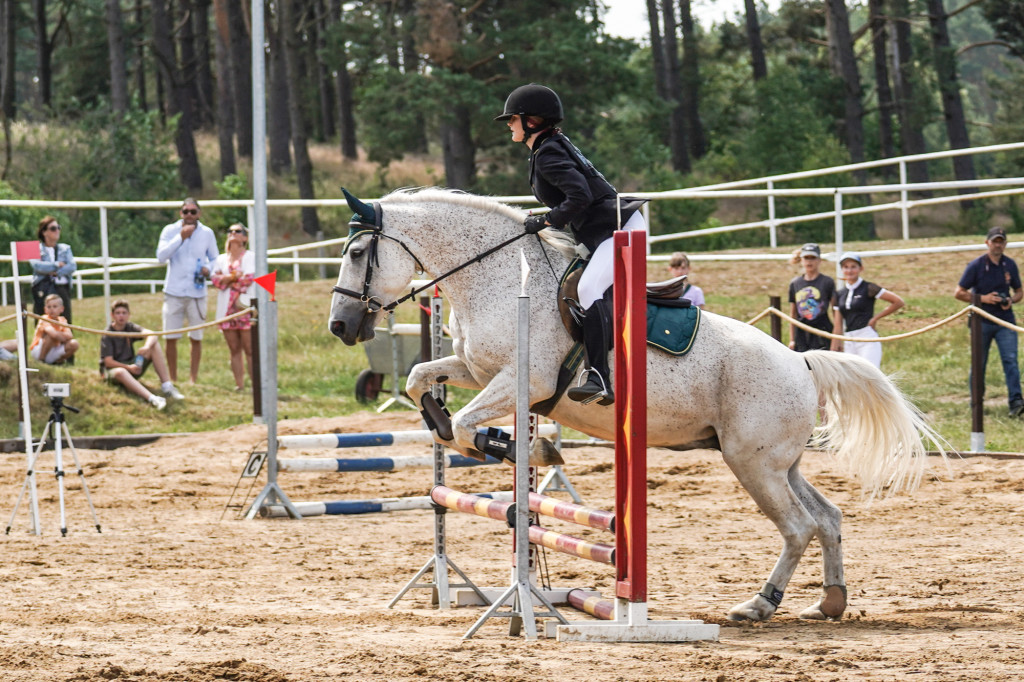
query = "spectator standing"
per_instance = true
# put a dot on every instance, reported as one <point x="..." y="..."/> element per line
<point x="121" y="363"/>
<point x="810" y="297"/>
<point x="188" y="248"/>
<point x="854" y="305"/>
<point x="53" y="343"/>
<point x="51" y="273"/>
<point x="679" y="265"/>
<point x="233" y="274"/>
<point x="994" y="277"/>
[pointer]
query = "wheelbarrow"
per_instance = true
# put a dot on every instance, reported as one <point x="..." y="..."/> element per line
<point x="392" y="352"/>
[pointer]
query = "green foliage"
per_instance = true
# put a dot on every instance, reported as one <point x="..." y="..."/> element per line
<point x="1007" y="19"/>
<point x="234" y="186"/>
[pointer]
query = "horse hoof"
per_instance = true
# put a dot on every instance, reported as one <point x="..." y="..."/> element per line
<point x="757" y="609"/>
<point x="831" y="607"/>
<point x="543" y="453"/>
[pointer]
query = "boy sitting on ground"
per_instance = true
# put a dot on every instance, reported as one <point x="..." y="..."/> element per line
<point x="53" y="343"/>
<point x="123" y="365"/>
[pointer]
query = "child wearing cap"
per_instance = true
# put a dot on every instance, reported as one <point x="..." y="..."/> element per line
<point x="854" y="307"/>
<point x="810" y="295"/>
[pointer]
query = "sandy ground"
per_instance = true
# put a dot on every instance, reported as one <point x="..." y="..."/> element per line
<point x="169" y="591"/>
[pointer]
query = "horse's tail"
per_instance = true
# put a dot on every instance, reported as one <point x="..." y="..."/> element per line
<point x="869" y="424"/>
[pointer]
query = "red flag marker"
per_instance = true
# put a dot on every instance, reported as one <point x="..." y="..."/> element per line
<point x="267" y="281"/>
<point x="28" y="250"/>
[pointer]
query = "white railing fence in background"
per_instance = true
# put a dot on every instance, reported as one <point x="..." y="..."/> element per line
<point x="290" y="255"/>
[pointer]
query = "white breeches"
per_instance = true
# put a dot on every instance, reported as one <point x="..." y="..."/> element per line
<point x="600" y="271"/>
<point x="872" y="352"/>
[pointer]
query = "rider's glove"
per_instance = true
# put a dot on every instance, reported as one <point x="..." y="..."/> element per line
<point x="534" y="224"/>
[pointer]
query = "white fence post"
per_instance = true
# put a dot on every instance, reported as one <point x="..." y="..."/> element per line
<point x="904" y="212"/>
<point x="772" y="232"/>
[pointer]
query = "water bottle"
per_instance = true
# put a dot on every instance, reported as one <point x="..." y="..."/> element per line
<point x="198" y="278"/>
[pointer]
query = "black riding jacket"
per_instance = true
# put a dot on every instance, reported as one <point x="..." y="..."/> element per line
<point x="577" y="194"/>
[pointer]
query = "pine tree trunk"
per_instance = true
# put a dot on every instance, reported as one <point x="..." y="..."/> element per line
<point x="140" y="61"/>
<point x="910" y="112"/>
<point x="278" y="121"/>
<point x="886" y="106"/>
<point x="118" y="60"/>
<point x="204" y="70"/>
<point x="691" y="83"/>
<point x="677" y="118"/>
<point x="343" y="91"/>
<point x="459" y="150"/>
<point x="225" y="105"/>
<point x="44" y="55"/>
<point x="757" y="58"/>
<point x="853" y="107"/>
<point x="179" y="97"/>
<point x="303" y="165"/>
<point x="187" y="50"/>
<point x="241" y="71"/>
<point x="657" y="49"/>
<point x="949" y="88"/>
<point x="323" y="74"/>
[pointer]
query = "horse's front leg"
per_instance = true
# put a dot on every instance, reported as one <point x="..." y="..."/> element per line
<point x="496" y="401"/>
<point x="450" y="371"/>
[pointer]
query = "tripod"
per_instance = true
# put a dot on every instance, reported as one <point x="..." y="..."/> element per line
<point x="56" y="425"/>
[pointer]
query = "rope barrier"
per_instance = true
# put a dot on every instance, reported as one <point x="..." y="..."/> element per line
<point x="139" y="335"/>
<point x="883" y="339"/>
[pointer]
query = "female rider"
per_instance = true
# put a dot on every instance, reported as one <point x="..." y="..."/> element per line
<point x="581" y="199"/>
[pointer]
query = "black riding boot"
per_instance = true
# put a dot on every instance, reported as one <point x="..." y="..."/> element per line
<point x="597" y="336"/>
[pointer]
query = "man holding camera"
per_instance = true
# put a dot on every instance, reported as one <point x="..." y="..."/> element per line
<point x="188" y="248"/>
<point x="994" y="277"/>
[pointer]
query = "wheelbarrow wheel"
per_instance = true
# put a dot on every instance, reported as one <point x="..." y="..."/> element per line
<point x="368" y="385"/>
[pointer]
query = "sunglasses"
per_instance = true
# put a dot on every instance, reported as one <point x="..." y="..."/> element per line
<point x="236" y="231"/>
<point x="53" y="228"/>
<point x="190" y="211"/>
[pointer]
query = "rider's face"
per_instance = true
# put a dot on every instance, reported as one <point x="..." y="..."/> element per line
<point x="515" y="124"/>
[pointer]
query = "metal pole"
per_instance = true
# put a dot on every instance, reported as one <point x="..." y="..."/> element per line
<point x="977" y="381"/>
<point x="105" y="253"/>
<point x="773" y="235"/>
<point x="839" y="232"/>
<point x="776" y="302"/>
<point x="257" y="372"/>
<point x="25" y="425"/>
<point x="904" y="217"/>
<point x="268" y="309"/>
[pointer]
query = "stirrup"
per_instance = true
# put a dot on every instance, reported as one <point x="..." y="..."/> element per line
<point x="603" y="396"/>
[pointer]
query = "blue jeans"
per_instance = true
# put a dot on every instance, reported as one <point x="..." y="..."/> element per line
<point x="1006" y="342"/>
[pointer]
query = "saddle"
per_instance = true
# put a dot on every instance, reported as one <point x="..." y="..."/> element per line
<point x="672" y="324"/>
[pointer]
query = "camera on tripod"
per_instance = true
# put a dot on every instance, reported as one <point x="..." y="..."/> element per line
<point x="57" y="390"/>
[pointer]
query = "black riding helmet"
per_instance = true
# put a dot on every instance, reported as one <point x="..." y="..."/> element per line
<point x="533" y="100"/>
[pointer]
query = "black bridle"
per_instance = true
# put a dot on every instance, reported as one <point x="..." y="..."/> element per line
<point x="372" y="303"/>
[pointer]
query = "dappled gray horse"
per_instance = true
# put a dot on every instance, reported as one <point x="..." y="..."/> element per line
<point x="738" y="391"/>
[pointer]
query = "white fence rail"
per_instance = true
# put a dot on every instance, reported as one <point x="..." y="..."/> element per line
<point x="290" y="255"/>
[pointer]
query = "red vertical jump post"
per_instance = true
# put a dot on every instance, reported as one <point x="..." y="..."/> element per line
<point x="631" y="414"/>
<point x="630" y="622"/>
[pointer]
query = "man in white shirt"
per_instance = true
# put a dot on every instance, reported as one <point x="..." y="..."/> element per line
<point x="188" y="248"/>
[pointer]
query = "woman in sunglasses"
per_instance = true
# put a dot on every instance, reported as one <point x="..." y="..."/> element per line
<point x="233" y="273"/>
<point x="52" y="272"/>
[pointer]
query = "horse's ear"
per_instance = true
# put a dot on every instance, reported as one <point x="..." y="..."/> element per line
<point x="363" y="210"/>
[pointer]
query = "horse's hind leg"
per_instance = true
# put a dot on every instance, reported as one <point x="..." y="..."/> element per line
<point x="767" y="481"/>
<point x="829" y="519"/>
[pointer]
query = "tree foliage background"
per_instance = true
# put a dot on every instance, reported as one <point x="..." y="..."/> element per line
<point x="392" y="79"/>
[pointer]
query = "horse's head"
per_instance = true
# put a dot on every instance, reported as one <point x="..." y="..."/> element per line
<point x="376" y="267"/>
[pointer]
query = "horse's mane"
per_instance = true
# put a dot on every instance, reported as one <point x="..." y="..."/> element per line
<point x="558" y="239"/>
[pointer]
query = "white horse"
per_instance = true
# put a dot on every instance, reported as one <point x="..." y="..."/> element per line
<point x="747" y="395"/>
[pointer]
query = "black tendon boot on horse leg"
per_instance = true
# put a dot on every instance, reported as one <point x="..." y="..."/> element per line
<point x="597" y="336"/>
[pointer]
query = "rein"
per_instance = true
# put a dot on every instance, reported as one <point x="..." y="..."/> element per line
<point x="373" y="304"/>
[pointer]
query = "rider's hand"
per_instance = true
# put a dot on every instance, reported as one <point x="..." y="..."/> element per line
<point x="535" y="223"/>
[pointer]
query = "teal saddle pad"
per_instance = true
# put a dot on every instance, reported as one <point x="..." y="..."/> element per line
<point x="672" y="328"/>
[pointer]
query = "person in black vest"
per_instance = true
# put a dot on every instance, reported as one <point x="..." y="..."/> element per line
<point x="582" y="200"/>
<point x="854" y="306"/>
<point x="996" y="279"/>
